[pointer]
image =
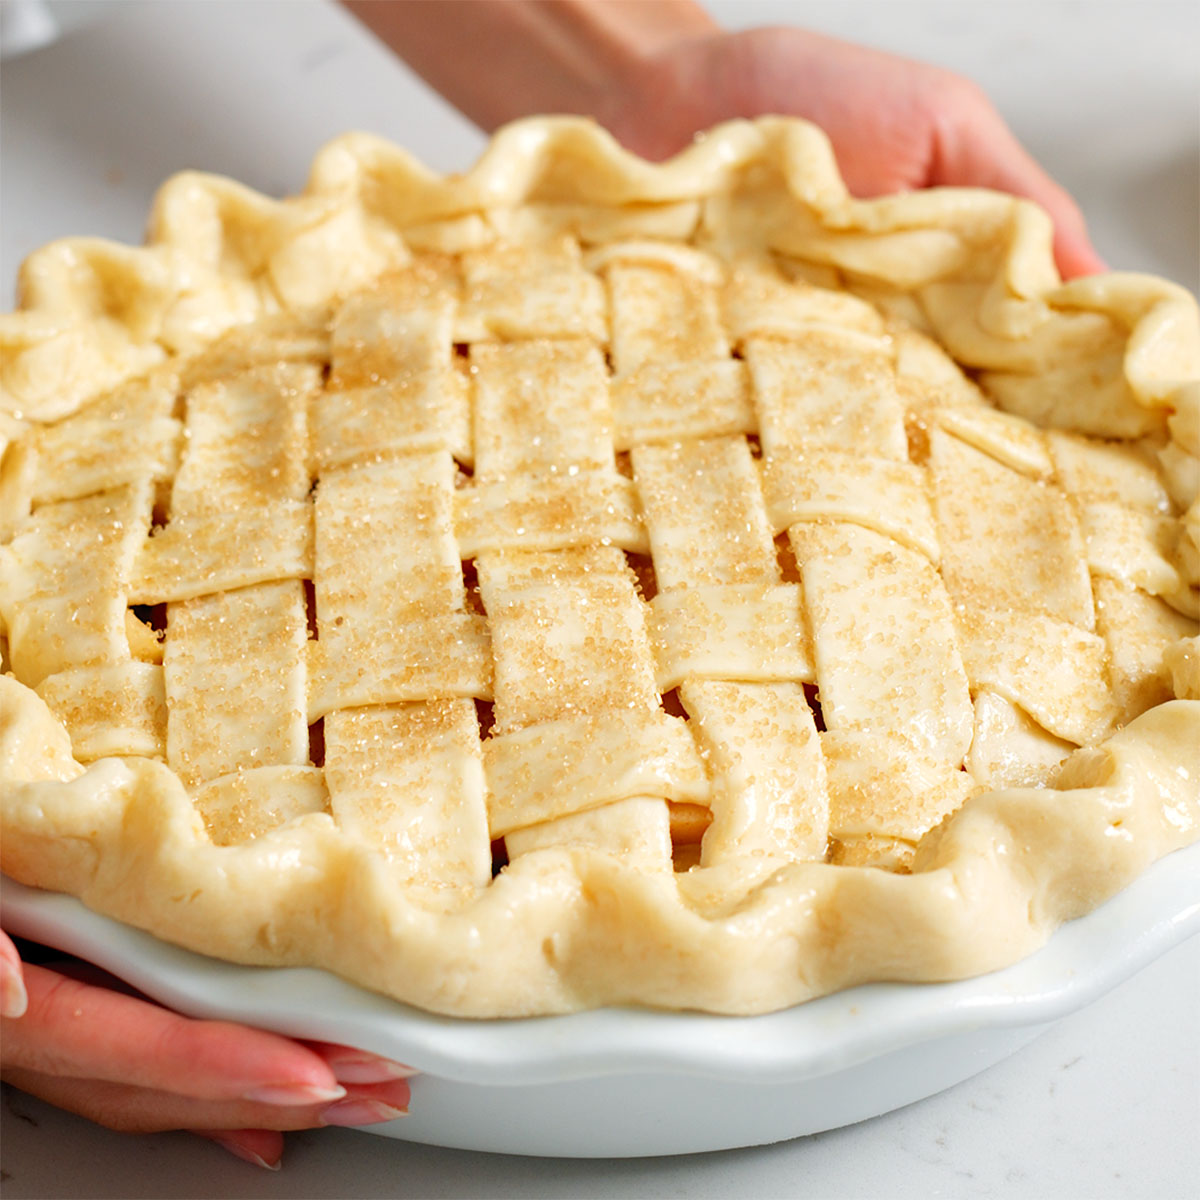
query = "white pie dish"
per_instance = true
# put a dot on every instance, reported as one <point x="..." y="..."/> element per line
<point x="626" y="1083"/>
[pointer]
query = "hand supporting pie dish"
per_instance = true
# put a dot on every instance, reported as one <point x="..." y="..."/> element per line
<point x="584" y="505"/>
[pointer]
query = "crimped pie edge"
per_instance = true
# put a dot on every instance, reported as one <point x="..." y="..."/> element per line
<point x="989" y="885"/>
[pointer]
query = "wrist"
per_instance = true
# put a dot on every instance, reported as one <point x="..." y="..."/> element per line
<point x="582" y="52"/>
<point x="497" y="60"/>
<point x="618" y="36"/>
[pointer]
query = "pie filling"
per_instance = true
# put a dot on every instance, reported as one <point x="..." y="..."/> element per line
<point x="699" y="600"/>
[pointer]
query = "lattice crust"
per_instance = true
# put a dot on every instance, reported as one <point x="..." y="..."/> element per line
<point x="581" y="581"/>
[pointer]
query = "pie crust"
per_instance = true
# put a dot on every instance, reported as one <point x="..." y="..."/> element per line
<point x="584" y="581"/>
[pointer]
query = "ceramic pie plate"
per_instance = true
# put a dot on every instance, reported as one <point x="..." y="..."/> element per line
<point x="631" y="1083"/>
<point x="615" y="1082"/>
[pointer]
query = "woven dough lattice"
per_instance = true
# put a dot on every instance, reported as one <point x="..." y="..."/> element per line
<point x="539" y="600"/>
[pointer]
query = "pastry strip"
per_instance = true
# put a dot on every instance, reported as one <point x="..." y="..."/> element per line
<point x="407" y="779"/>
<point x="541" y="407"/>
<point x="1136" y="549"/>
<point x="242" y="806"/>
<point x="1007" y="541"/>
<point x="206" y="552"/>
<point x="749" y="632"/>
<point x="404" y="777"/>
<point x="556" y="768"/>
<point x="705" y="514"/>
<point x="1138" y="629"/>
<point x="89" y="454"/>
<point x="114" y="708"/>
<point x="63" y="581"/>
<point x="394" y="387"/>
<point x="660" y="314"/>
<point x="433" y="658"/>
<point x="1054" y="671"/>
<point x="636" y="832"/>
<point x="882" y="785"/>
<point x="1009" y="748"/>
<point x="552" y="512"/>
<point x="826" y="391"/>
<point x="758" y="302"/>
<point x="883" y="639"/>
<point x="385" y="548"/>
<point x="769" y="796"/>
<point x="666" y="402"/>
<point x="534" y="290"/>
<point x="247" y="441"/>
<point x="1011" y="441"/>
<point x="573" y="647"/>
<point x="568" y="650"/>
<point x="1102" y="470"/>
<point x="876" y="493"/>
<point x="235" y="681"/>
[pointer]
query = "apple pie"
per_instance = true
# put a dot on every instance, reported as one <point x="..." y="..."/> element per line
<point x="585" y="581"/>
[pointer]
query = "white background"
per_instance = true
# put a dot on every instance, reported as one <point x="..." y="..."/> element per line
<point x="1107" y="94"/>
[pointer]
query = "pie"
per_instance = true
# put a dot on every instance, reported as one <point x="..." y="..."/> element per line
<point x="584" y="582"/>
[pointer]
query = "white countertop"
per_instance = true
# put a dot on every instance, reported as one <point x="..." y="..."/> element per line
<point x="1107" y="1104"/>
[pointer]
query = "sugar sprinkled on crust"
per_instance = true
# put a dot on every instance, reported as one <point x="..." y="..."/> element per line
<point x="591" y="512"/>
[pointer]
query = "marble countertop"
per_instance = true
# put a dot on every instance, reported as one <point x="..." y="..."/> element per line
<point x="1106" y="1104"/>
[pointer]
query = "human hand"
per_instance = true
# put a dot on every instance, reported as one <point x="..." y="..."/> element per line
<point x="127" y="1063"/>
<point x="895" y="125"/>
<point x="657" y="72"/>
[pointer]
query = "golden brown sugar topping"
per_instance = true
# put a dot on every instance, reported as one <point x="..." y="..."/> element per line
<point x="341" y="470"/>
<point x="691" y="578"/>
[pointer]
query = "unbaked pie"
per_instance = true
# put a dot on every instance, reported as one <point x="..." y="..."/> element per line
<point x="585" y="582"/>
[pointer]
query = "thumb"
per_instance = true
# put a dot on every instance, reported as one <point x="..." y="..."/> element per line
<point x="976" y="149"/>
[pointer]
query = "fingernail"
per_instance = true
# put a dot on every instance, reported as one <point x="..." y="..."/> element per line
<point x="246" y="1154"/>
<point x="294" y="1094"/>
<point x="14" y="1000"/>
<point x="370" y="1070"/>
<point x="360" y="1112"/>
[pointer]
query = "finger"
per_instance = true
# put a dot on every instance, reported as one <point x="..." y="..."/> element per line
<point x="351" y="1066"/>
<point x="366" y="1103"/>
<point x="13" y="998"/>
<point x="974" y="148"/>
<point x="1073" y="250"/>
<point x="369" y="1104"/>
<point x="262" y="1147"/>
<point x="74" y="1029"/>
<point x="131" y="1109"/>
<point x="86" y="972"/>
